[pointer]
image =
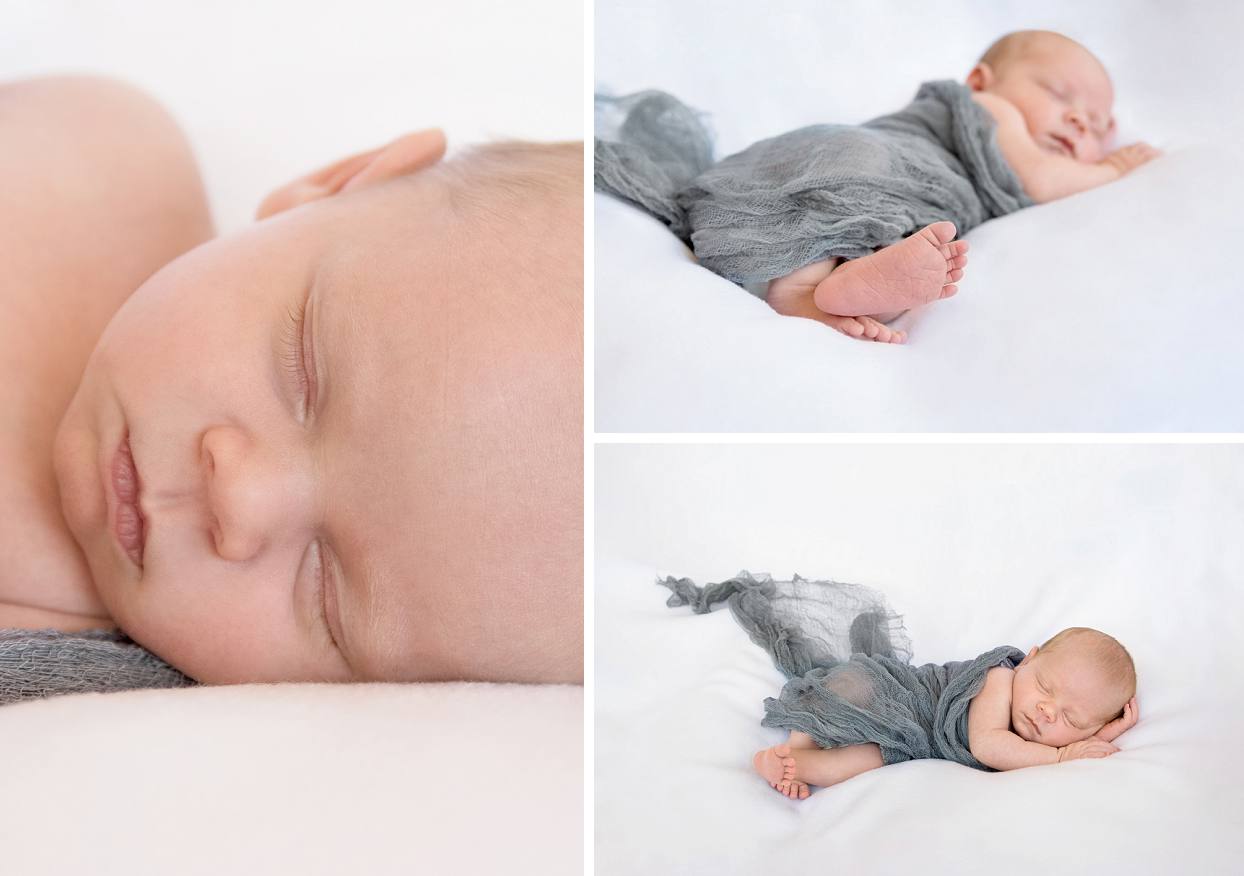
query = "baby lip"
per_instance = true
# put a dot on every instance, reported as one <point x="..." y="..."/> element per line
<point x="131" y="525"/>
<point x="1066" y="144"/>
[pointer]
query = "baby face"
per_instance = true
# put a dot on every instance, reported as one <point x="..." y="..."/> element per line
<point x="1064" y="95"/>
<point x="357" y="428"/>
<point x="1058" y="698"/>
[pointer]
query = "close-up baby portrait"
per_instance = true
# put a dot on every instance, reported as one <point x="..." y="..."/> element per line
<point x="294" y="435"/>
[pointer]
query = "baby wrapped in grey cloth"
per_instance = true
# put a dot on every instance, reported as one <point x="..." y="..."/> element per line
<point x="848" y="661"/>
<point x="43" y="663"/>
<point x="820" y="192"/>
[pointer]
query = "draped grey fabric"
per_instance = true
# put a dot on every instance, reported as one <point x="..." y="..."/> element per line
<point x="848" y="661"/>
<point x="818" y="192"/>
<point x="43" y="663"/>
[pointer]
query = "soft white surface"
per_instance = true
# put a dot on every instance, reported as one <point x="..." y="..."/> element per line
<point x="307" y="779"/>
<point x="977" y="546"/>
<point x="438" y="778"/>
<point x="1111" y="310"/>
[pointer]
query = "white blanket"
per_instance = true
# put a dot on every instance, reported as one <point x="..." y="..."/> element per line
<point x="978" y="546"/>
<point x="308" y="779"/>
<point x="1111" y="310"/>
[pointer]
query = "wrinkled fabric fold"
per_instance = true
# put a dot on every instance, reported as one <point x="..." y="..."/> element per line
<point x="43" y="663"/>
<point x="847" y="658"/>
<point x="819" y="192"/>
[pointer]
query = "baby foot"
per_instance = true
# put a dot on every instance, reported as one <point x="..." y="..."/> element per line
<point x="914" y="271"/>
<point x="777" y="767"/>
<point x="794" y="789"/>
<point x="790" y="299"/>
<point x="865" y="328"/>
<point x="790" y="785"/>
<point x="769" y="764"/>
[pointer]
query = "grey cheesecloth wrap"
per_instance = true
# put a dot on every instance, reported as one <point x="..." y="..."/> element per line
<point x="848" y="661"/>
<point x="43" y="663"/>
<point x="819" y="192"/>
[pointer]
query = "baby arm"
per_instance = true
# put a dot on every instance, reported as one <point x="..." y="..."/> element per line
<point x="1121" y="724"/>
<point x="1048" y="176"/>
<point x="989" y="728"/>
<point x="992" y="743"/>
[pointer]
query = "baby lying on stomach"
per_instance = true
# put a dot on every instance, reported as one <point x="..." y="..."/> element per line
<point x="851" y="225"/>
<point x="1052" y="100"/>
<point x="1068" y="699"/>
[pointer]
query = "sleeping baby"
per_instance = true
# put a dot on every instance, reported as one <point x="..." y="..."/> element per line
<point x="854" y="701"/>
<point x="853" y="225"/>
<point x="341" y="444"/>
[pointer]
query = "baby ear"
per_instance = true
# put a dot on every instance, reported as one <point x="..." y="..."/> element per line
<point x="1031" y="654"/>
<point x="981" y="77"/>
<point x="406" y="154"/>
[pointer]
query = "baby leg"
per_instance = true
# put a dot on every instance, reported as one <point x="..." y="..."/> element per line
<point x="769" y="764"/>
<point x="793" y="295"/>
<point x="824" y="766"/>
<point x="799" y="739"/>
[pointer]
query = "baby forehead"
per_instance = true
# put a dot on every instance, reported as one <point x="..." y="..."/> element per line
<point x="1074" y="61"/>
<point x="1074" y="666"/>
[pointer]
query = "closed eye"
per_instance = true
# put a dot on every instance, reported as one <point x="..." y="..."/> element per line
<point x="294" y="358"/>
<point x="1057" y="92"/>
<point x="322" y="596"/>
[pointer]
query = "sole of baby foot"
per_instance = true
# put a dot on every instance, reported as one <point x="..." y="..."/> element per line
<point x="917" y="270"/>
<point x="769" y="765"/>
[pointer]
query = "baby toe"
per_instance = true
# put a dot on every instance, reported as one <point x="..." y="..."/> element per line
<point x="943" y="231"/>
<point x="849" y="327"/>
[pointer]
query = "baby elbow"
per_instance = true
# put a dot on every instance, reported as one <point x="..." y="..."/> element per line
<point x="1035" y="185"/>
<point x="981" y="751"/>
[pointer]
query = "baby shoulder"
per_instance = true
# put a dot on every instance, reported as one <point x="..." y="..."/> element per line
<point x="998" y="683"/>
<point x="1003" y="111"/>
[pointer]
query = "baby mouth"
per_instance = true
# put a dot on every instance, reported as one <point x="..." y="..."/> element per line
<point x="130" y="526"/>
<point x="1065" y="144"/>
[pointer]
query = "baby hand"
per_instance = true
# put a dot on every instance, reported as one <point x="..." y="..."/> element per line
<point x="1091" y="747"/>
<point x="1116" y="728"/>
<point x="1129" y="158"/>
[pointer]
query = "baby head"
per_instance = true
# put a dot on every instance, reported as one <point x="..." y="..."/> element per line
<point x="1071" y="687"/>
<point x="357" y="428"/>
<point x="1060" y="88"/>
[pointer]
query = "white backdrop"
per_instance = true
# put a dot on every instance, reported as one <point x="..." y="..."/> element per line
<point x="977" y="546"/>
<point x="268" y="90"/>
<point x="761" y="69"/>
<point x="1111" y="310"/>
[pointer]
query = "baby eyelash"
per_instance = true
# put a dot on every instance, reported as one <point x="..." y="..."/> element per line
<point x="293" y="343"/>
